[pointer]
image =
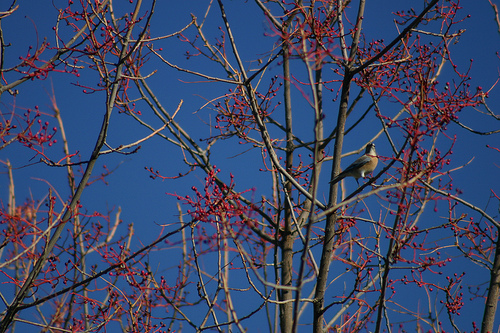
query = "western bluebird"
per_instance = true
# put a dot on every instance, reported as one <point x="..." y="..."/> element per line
<point x="360" y="167"/>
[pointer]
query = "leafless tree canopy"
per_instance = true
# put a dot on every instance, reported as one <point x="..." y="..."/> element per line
<point x="240" y="116"/>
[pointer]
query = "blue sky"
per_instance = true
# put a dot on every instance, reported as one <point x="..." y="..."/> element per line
<point x="143" y="201"/>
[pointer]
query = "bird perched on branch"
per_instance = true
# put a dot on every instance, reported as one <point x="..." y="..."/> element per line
<point x="361" y="167"/>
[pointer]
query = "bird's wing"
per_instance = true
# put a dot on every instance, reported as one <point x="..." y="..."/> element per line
<point x="357" y="163"/>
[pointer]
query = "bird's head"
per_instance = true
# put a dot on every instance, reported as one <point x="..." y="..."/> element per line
<point x="370" y="149"/>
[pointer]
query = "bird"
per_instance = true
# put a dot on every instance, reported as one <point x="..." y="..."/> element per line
<point x="361" y="166"/>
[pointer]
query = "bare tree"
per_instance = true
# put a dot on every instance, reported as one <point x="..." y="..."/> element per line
<point x="267" y="240"/>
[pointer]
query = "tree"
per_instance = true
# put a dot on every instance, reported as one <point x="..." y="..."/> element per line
<point x="254" y="235"/>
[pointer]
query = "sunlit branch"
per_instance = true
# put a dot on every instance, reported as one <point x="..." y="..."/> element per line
<point x="463" y="202"/>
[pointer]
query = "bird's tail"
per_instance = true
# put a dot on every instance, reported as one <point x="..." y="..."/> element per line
<point x="337" y="178"/>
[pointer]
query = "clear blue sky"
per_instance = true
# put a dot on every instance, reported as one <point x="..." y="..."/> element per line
<point x="143" y="201"/>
